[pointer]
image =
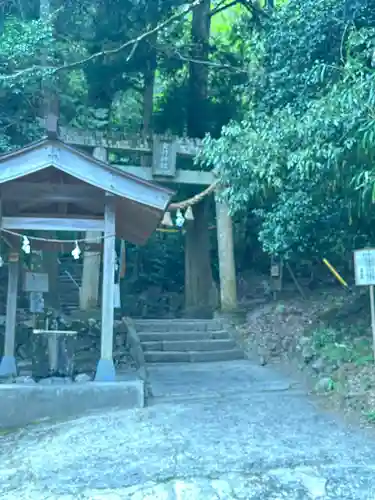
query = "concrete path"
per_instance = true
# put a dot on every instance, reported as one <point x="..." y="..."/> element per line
<point x="214" y="431"/>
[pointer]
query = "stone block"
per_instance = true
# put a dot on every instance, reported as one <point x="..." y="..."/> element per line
<point x="23" y="404"/>
<point x="40" y="357"/>
<point x="212" y="356"/>
<point x="198" y="345"/>
<point x="52" y="355"/>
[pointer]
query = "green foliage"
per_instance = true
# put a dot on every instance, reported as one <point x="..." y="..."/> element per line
<point x="370" y="416"/>
<point x="336" y="348"/>
<point x="108" y="91"/>
<point x="302" y="158"/>
<point x="113" y="84"/>
<point x="20" y="47"/>
<point x="225" y="72"/>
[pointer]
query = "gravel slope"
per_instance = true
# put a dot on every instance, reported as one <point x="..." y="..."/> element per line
<point x="214" y="431"/>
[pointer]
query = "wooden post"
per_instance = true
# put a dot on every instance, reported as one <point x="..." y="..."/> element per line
<point x="372" y="308"/>
<point x="106" y="371"/>
<point x="227" y="270"/>
<point x="8" y="362"/>
<point x="198" y="273"/>
<point x="89" y="293"/>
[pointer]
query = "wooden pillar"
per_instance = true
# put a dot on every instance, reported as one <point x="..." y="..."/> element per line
<point x="198" y="273"/>
<point x="227" y="269"/>
<point x="106" y="371"/>
<point x="51" y="267"/>
<point x="89" y="293"/>
<point x="8" y="362"/>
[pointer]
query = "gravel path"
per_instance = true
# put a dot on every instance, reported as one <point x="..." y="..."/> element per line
<point x="214" y="431"/>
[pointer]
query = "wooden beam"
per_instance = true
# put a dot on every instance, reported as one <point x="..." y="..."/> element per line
<point x="52" y="224"/>
<point x="46" y="192"/>
<point x="197" y="177"/>
<point x="55" y="332"/>
<point x="76" y="137"/>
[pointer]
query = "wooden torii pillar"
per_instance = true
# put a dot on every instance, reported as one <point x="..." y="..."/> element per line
<point x="227" y="269"/>
<point x="89" y="292"/>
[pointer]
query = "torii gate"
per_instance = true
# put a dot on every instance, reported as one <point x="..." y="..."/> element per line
<point x="164" y="151"/>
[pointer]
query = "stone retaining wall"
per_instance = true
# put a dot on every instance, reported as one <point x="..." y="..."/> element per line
<point x="84" y="347"/>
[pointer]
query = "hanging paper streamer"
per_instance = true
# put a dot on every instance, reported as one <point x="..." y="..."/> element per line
<point x="179" y="218"/>
<point x="117" y="297"/>
<point x="117" y="262"/>
<point x="167" y="220"/>
<point x="189" y="213"/>
<point x="26" y="245"/>
<point x="1" y="261"/>
<point x="76" y="252"/>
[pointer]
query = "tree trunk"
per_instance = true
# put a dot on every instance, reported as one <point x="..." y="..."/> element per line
<point x="148" y="89"/>
<point x="149" y="71"/>
<point x="198" y="72"/>
<point x="198" y="272"/>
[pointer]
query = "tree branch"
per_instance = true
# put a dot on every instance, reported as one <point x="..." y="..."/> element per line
<point x="175" y="54"/>
<point x="250" y="5"/>
<point x="108" y="52"/>
<point x="223" y="6"/>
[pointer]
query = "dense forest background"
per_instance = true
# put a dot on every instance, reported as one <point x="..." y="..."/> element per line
<point x="283" y="92"/>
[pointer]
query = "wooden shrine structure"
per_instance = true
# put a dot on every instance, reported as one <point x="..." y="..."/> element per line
<point x="52" y="187"/>
<point x="163" y="153"/>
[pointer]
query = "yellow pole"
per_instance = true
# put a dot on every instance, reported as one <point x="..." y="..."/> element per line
<point x="335" y="273"/>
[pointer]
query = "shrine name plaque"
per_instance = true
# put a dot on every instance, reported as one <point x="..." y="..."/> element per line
<point x="164" y="158"/>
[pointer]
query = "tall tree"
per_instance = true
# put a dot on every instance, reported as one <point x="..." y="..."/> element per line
<point x="198" y="273"/>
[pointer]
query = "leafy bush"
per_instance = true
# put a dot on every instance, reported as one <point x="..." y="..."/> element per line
<point x="303" y="157"/>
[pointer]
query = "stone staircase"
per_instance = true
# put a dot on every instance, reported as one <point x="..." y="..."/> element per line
<point x="70" y="280"/>
<point x="194" y="341"/>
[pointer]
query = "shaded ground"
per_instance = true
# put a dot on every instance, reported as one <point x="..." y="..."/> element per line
<point x="214" y="431"/>
<point x="326" y="338"/>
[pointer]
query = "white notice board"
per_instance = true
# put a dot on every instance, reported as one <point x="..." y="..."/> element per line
<point x="364" y="267"/>
<point x="36" y="282"/>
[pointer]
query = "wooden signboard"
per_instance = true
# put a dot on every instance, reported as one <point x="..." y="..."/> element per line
<point x="364" y="267"/>
<point x="36" y="282"/>
<point x="276" y="274"/>
<point x="364" y="273"/>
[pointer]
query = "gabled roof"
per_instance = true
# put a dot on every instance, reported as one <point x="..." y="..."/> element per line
<point x="140" y="204"/>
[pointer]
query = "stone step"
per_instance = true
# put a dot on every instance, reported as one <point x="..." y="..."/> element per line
<point x="189" y="345"/>
<point x="192" y="356"/>
<point x="174" y="325"/>
<point x="169" y="336"/>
